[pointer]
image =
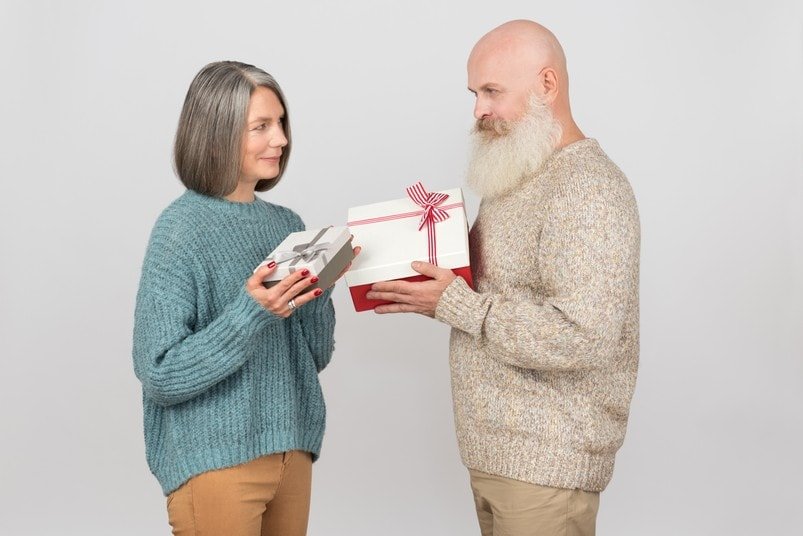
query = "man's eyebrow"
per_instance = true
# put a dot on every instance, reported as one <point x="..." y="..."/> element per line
<point x="485" y="87"/>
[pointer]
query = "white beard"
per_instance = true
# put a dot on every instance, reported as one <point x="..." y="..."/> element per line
<point x="505" y="152"/>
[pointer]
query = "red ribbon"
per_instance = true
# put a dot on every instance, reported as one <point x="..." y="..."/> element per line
<point x="429" y="201"/>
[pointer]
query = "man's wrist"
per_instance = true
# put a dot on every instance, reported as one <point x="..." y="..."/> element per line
<point x="457" y="306"/>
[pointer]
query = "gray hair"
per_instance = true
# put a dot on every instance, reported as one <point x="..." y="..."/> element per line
<point x="208" y="147"/>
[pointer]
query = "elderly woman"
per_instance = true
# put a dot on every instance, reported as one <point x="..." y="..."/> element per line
<point x="233" y="410"/>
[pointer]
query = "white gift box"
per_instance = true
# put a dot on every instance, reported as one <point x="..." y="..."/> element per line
<point x="324" y="252"/>
<point x="425" y="226"/>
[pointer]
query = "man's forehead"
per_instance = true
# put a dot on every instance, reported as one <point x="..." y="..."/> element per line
<point x="491" y="69"/>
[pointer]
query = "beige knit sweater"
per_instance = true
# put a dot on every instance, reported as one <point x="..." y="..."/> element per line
<point x="544" y="354"/>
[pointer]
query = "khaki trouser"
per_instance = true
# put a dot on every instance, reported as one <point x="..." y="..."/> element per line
<point x="507" y="507"/>
<point x="266" y="496"/>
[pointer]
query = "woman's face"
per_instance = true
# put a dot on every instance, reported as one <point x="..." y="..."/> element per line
<point x="264" y="137"/>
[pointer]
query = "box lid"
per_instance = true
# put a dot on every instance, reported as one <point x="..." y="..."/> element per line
<point x="311" y="249"/>
<point x="389" y="235"/>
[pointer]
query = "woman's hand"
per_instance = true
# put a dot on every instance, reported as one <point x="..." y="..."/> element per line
<point x="283" y="297"/>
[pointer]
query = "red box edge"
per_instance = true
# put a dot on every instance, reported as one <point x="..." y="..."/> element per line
<point x="361" y="303"/>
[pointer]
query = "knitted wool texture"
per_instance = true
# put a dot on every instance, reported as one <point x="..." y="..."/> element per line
<point x="544" y="354"/>
<point x="224" y="381"/>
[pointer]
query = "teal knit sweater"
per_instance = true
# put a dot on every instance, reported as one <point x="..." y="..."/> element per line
<point x="224" y="381"/>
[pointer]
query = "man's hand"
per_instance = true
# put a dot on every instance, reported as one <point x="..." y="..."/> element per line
<point x="421" y="297"/>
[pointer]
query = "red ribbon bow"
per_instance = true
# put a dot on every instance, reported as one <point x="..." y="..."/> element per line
<point x="429" y="201"/>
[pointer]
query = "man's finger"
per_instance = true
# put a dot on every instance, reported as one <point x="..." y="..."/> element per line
<point x="389" y="296"/>
<point x="400" y="287"/>
<point x="427" y="269"/>
<point x="396" y="308"/>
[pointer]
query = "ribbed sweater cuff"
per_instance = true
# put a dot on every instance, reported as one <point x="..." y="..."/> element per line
<point x="460" y="307"/>
<point x="248" y="316"/>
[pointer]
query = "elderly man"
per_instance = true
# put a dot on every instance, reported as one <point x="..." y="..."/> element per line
<point x="544" y="352"/>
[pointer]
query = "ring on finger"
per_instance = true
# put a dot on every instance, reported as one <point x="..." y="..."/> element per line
<point x="292" y="304"/>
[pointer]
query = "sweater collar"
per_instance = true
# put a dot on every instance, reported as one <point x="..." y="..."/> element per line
<point x="222" y="205"/>
<point x="586" y="144"/>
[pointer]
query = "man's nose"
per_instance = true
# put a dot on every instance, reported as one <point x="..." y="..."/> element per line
<point x="481" y="110"/>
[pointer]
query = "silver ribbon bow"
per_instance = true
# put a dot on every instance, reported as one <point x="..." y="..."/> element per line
<point x="306" y="252"/>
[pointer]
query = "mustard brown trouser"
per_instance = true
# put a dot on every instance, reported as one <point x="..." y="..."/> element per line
<point x="264" y="497"/>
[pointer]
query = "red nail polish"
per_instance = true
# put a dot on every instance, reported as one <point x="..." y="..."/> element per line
<point x="271" y="264"/>
<point x="305" y="272"/>
<point x="313" y="280"/>
<point x="318" y="292"/>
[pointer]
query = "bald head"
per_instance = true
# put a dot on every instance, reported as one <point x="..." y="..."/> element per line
<point x="524" y="44"/>
<point x="514" y="62"/>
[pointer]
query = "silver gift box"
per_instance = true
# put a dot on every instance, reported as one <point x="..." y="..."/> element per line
<point x="324" y="252"/>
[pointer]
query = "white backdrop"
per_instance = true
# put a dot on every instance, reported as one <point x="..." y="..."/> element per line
<point x="700" y="103"/>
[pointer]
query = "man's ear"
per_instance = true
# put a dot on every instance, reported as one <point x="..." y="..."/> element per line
<point x="548" y="81"/>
